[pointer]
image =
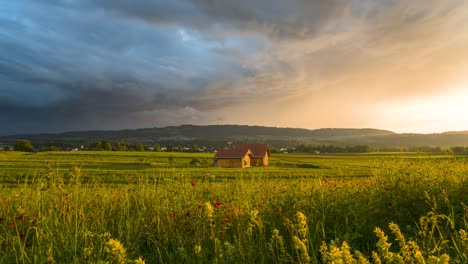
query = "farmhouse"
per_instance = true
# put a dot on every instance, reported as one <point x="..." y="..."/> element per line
<point x="242" y="156"/>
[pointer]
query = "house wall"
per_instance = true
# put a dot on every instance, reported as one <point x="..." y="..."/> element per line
<point x="234" y="163"/>
<point x="256" y="161"/>
<point x="246" y="161"/>
<point x="230" y="163"/>
<point x="260" y="161"/>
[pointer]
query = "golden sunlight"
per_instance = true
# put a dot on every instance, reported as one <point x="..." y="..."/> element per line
<point x="440" y="113"/>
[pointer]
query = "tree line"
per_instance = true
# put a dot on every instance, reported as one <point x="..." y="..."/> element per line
<point x="305" y="148"/>
<point x="122" y="145"/>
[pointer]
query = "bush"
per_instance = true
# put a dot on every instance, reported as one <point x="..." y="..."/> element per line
<point x="24" y="145"/>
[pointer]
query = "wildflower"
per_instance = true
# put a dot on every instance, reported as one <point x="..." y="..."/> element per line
<point x="11" y="224"/>
<point x="20" y="217"/>
<point x="193" y="184"/>
<point x="114" y="246"/>
<point x="139" y="261"/>
<point x="116" y="250"/>
<point x="197" y="249"/>
<point x="463" y="235"/>
<point x="209" y="210"/>
<point x="276" y="244"/>
<point x="301" y="249"/>
<point x="1" y="219"/>
<point x="254" y="220"/>
<point x="200" y="206"/>
<point x="301" y="225"/>
<point x="218" y="204"/>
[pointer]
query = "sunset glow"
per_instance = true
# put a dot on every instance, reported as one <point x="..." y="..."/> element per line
<point x="446" y="112"/>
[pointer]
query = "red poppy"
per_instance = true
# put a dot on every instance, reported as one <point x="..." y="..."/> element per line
<point x="193" y="184"/>
<point x="1" y="219"/>
<point x="218" y="204"/>
<point x="200" y="207"/>
<point x="20" y="217"/>
<point x="11" y="224"/>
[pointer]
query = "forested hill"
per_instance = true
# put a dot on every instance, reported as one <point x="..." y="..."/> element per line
<point x="216" y="134"/>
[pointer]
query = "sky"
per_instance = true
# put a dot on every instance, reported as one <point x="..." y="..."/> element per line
<point x="69" y="65"/>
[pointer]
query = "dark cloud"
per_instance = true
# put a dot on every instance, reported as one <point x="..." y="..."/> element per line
<point x="220" y="19"/>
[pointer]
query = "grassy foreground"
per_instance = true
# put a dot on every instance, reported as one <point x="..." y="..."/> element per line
<point x="66" y="212"/>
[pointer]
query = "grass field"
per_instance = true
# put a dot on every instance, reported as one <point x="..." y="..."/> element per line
<point x="115" y="207"/>
<point x="120" y="167"/>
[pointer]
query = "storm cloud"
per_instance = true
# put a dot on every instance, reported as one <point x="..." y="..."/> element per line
<point x="79" y="65"/>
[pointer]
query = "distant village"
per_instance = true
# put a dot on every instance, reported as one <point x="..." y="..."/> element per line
<point x="25" y="145"/>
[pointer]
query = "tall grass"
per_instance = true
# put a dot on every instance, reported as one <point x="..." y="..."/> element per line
<point x="57" y="218"/>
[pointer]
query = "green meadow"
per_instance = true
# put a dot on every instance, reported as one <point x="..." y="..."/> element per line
<point x="155" y="207"/>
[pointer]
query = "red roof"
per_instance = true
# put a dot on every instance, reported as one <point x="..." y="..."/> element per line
<point x="258" y="150"/>
<point x="239" y="151"/>
<point x="231" y="153"/>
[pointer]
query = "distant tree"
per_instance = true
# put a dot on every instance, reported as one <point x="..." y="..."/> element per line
<point x="169" y="148"/>
<point x="157" y="147"/>
<point x="24" y="145"/>
<point x="180" y="149"/>
<point x="7" y="148"/>
<point x="54" y="148"/>
<point x="96" y="146"/>
<point x="458" y="150"/>
<point x="140" y="147"/>
<point x="106" y="146"/>
<point x="274" y="150"/>
<point x="122" y="145"/>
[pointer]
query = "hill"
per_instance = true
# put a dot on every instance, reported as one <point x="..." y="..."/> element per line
<point x="213" y="135"/>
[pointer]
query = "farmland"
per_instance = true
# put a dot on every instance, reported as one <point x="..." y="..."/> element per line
<point x="115" y="207"/>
